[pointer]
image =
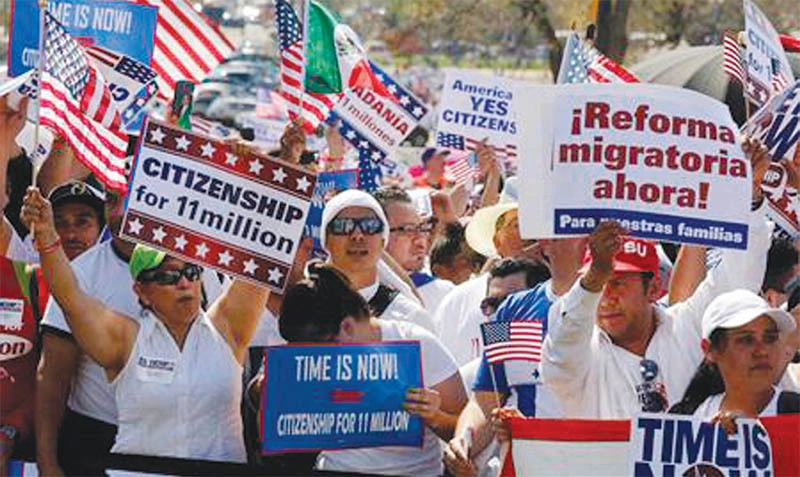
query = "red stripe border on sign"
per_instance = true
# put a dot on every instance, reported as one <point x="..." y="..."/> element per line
<point x="570" y="430"/>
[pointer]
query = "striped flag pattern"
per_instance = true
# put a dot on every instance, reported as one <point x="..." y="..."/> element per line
<point x="505" y="340"/>
<point x="66" y="61"/>
<point x="187" y="45"/>
<point x="459" y="170"/>
<point x="583" y="63"/>
<point x="779" y="81"/>
<point x="316" y="107"/>
<point x="732" y="58"/>
<point x="75" y="103"/>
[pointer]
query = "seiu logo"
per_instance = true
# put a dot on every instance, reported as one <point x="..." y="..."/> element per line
<point x="632" y="247"/>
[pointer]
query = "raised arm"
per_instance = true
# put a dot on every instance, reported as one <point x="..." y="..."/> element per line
<point x="236" y="312"/>
<point x="688" y="273"/>
<point x="106" y="336"/>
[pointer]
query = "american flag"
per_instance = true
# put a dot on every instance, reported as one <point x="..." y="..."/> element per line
<point x="505" y="340"/>
<point x="583" y="63"/>
<point x="779" y="81"/>
<point x="732" y="58"/>
<point x="187" y="45"/>
<point x="460" y="169"/>
<point x="316" y="107"/>
<point x="132" y="83"/>
<point x="210" y="128"/>
<point x="75" y="103"/>
<point x="66" y="61"/>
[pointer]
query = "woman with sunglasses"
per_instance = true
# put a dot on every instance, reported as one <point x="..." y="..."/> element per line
<point x="744" y="341"/>
<point x="326" y="308"/>
<point x="176" y="372"/>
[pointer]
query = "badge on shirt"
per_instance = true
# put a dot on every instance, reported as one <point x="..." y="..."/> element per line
<point x="155" y="370"/>
<point x="11" y="310"/>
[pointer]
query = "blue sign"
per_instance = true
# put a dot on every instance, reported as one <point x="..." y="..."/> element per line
<point x="124" y="27"/>
<point x="328" y="184"/>
<point x="340" y="396"/>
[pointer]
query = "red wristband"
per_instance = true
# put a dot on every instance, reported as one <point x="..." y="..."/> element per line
<point x="50" y="248"/>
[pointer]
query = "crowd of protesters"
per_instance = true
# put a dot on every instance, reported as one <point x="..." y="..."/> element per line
<point x="132" y="351"/>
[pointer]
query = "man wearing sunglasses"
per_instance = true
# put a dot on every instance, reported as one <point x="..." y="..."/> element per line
<point x="355" y="234"/>
<point x="409" y="243"/>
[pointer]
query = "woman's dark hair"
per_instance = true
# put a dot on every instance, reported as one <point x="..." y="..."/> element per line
<point x="313" y="309"/>
<point x="707" y="380"/>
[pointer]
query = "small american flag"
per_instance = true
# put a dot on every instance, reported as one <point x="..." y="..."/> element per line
<point x="187" y="45"/>
<point x="732" y="58"/>
<point x="583" y="63"/>
<point x="76" y="104"/>
<point x="316" y="107"/>
<point x="779" y="81"/>
<point x="505" y="340"/>
<point x="460" y="169"/>
<point x="66" y="61"/>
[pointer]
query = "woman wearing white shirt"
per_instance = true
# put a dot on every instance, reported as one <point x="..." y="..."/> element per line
<point x="325" y="308"/>
<point x="177" y="370"/>
<point x="743" y="340"/>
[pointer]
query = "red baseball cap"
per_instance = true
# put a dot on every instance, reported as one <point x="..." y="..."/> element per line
<point x="636" y="255"/>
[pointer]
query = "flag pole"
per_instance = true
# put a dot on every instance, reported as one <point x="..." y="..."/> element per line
<point x="37" y="164"/>
<point x="306" y="17"/>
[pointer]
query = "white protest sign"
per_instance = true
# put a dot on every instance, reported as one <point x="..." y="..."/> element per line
<point x="382" y="121"/>
<point x="763" y="46"/>
<point x="669" y="444"/>
<point x="777" y="125"/>
<point x="194" y="197"/>
<point x="474" y="107"/>
<point x="663" y="161"/>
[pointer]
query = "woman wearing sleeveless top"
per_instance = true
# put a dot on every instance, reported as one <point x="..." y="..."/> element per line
<point x="745" y="344"/>
<point x="176" y="373"/>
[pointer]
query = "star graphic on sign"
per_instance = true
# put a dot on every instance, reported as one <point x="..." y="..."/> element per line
<point x="134" y="226"/>
<point x="376" y="156"/>
<point x="230" y="159"/>
<point x="302" y="184"/>
<point x="250" y="267"/>
<point x="403" y="100"/>
<point x="417" y="111"/>
<point x="159" y="234"/>
<point x="180" y="242"/>
<point x="350" y="134"/>
<point x="182" y="143"/>
<point x="201" y="250"/>
<point x="392" y="89"/>
<point x="363" y="144"/>
<point x="225" y="258"/>
<point x="275" y="275"/>
<point x="157" y="135"/>
<point x="278" y="175"/>
<point x="380" y="77"/>
<point x="207" y="149"/>
<point x="256" y="166"/>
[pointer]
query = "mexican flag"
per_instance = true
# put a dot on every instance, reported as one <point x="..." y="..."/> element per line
<point x="335" y="58"/>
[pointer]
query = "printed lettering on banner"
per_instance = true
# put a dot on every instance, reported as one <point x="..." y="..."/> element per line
<point x="125" y="27"/>
<point x="352" y="396"/>
<point x="11" y="311"/>
<point x="765" y="57"/>
<point x="477" y="106"/>
<point x="194" y="197"/>
<point x="664" y="162"/>
<point x="680" y="445"/>
<point x="777" y="125"/>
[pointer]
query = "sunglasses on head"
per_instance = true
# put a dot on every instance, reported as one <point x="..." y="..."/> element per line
<point x="348" y="225"/>
<point x="171" y="277"/>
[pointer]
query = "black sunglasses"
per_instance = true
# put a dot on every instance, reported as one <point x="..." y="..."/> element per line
<point x="347" y="225"/>
<point x="649" y="397"/>
<point x="171" y="277"/>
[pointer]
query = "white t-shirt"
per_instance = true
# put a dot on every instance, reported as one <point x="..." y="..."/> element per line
<point x="596" y="379"/>
<point x="437" y="366"/>
<point x="433" y="292"/>
<point x="180" y="403"/>
<point x="104" y="275"/>
<point x="710" y="407"/>
<point x="458" y="319"/>
<point x="401" y="308"/>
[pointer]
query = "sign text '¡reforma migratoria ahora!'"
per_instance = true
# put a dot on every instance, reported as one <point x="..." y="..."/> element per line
<point x="616" y="157"/>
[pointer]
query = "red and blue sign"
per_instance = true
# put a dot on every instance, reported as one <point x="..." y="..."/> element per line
<point x="340" y="396"/>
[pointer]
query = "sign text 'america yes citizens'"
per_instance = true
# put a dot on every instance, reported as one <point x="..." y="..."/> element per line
<point x="352" y="396"/>
<point x="197" y="198"/>
<point x="664" y="162"/>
